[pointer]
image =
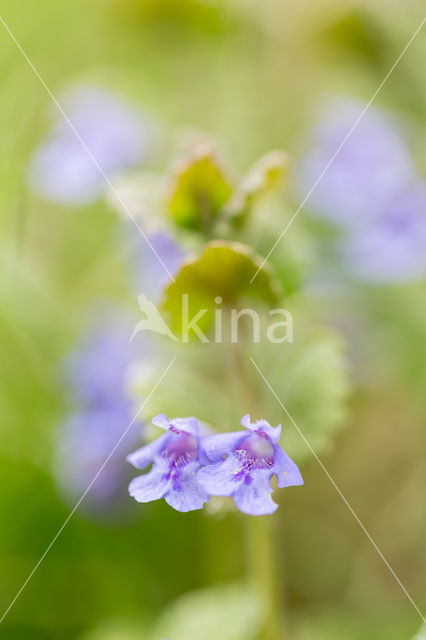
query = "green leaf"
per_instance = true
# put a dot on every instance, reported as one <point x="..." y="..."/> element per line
<point x="289" y="260"/>
<point x="421" y="635"/>
<point x="199" y="189"/>
<point x="218" y="384"/>
<point x="118" y="629"/>
<point x="219" y="275"/>
<point x="310" y="378"/>
<point x="228" y="611"/>
<point x="267" y="174"/>
<point x="264" y="178"/>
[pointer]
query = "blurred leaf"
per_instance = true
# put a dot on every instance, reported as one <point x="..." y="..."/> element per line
<point x="421" y="635"/>
<point x="221" y="269"/>
<point x="267" y="174"/>
<point x="399" y="334"/>
<point x="265" y="177"/>
<point x="218" y="384"/>
<point x="199" y="189"/>
<point x="117" y="630"/>
<point x="226" y="611"/>
<point x="290" y="259"/>
<point x="329" y="624"/>
<point x="204" y="17"/>
<point x="357" y="33"/>
<point x="310" y="378"/>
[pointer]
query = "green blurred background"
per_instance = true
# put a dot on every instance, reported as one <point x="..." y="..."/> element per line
<point x="251" y="74"/>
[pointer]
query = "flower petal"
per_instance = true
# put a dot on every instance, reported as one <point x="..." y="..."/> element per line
<point x="255" y="498"/>
<point x="161" y="421"/>
<point x="189" y="425"/>
<point x="286" y="471"/>
<point x="190" y="495"/>
<point x="274" y="433"/>
<point x="152" y="485"/>
<point x="220" y="479"/>
<point x="215" y="447"/>
<point x="142" y="457"/>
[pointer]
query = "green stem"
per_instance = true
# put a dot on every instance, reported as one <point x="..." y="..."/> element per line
<point x="263" y="562"/>
<point x="263" y="576"/>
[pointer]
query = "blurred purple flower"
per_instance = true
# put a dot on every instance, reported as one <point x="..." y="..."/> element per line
<point x="175" y="457"/>
<point x="371" y="191"/>
<point x="150" y="276"/>
<point x="96" y="372"/>
<point x="372" y="163"/>
<point x="86" y="439"/>
<point x="392" y="248"/>
<point x="62" y="171"/>
<point x="244" y="465"/>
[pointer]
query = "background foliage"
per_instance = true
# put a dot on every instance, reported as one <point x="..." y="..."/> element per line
<point x="251" y="75"/>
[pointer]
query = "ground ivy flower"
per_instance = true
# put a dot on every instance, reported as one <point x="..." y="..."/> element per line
<point x="392" y="248"/>
<point x="96" y="374"/>
<point x="371" y="191"/>
<point x="117" y="135"/>
<point x="150" y="276"/>
<point x="245" y="462"/>
<point x="96" y="369"/>
<point x="372" y="163"/>
<point x="85" y="439"/>
<point x="176" y="456"/>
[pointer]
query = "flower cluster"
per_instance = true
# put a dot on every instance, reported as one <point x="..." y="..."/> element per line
<point x="96" y="373"/>
<point x="371" y="191"/>
<point x="110" y="131"/>
<point x="189" y="467"/>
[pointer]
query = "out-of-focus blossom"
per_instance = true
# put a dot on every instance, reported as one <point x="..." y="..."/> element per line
<point x="176" y="457"/>
<point x="392" y="248"/>
<point x="371" y="191"/>
<point x="102" y="411"/>
<point x="86" y="439"/>
<point x="61" y="169"/>
<point x="96" y="369"/>
<point x="142" y="193"/>
<point x="372" y="163"/>
<point x="150" y="275"/>
<point x="245" y="462"/>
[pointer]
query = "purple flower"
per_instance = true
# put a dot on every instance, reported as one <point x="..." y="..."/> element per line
<point x="102" y="410"/>
<point x="85" y="440"/>
<point x="150" y="275"/>
<point x="96" y="370"/>
<point x="176" y="457"/>
<point x="245" y="462"/>
<point x="392" y="248"/>
<point x="372" y="163"/>
<point x="62" y="171"/>
<point x="371" y="191"/>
